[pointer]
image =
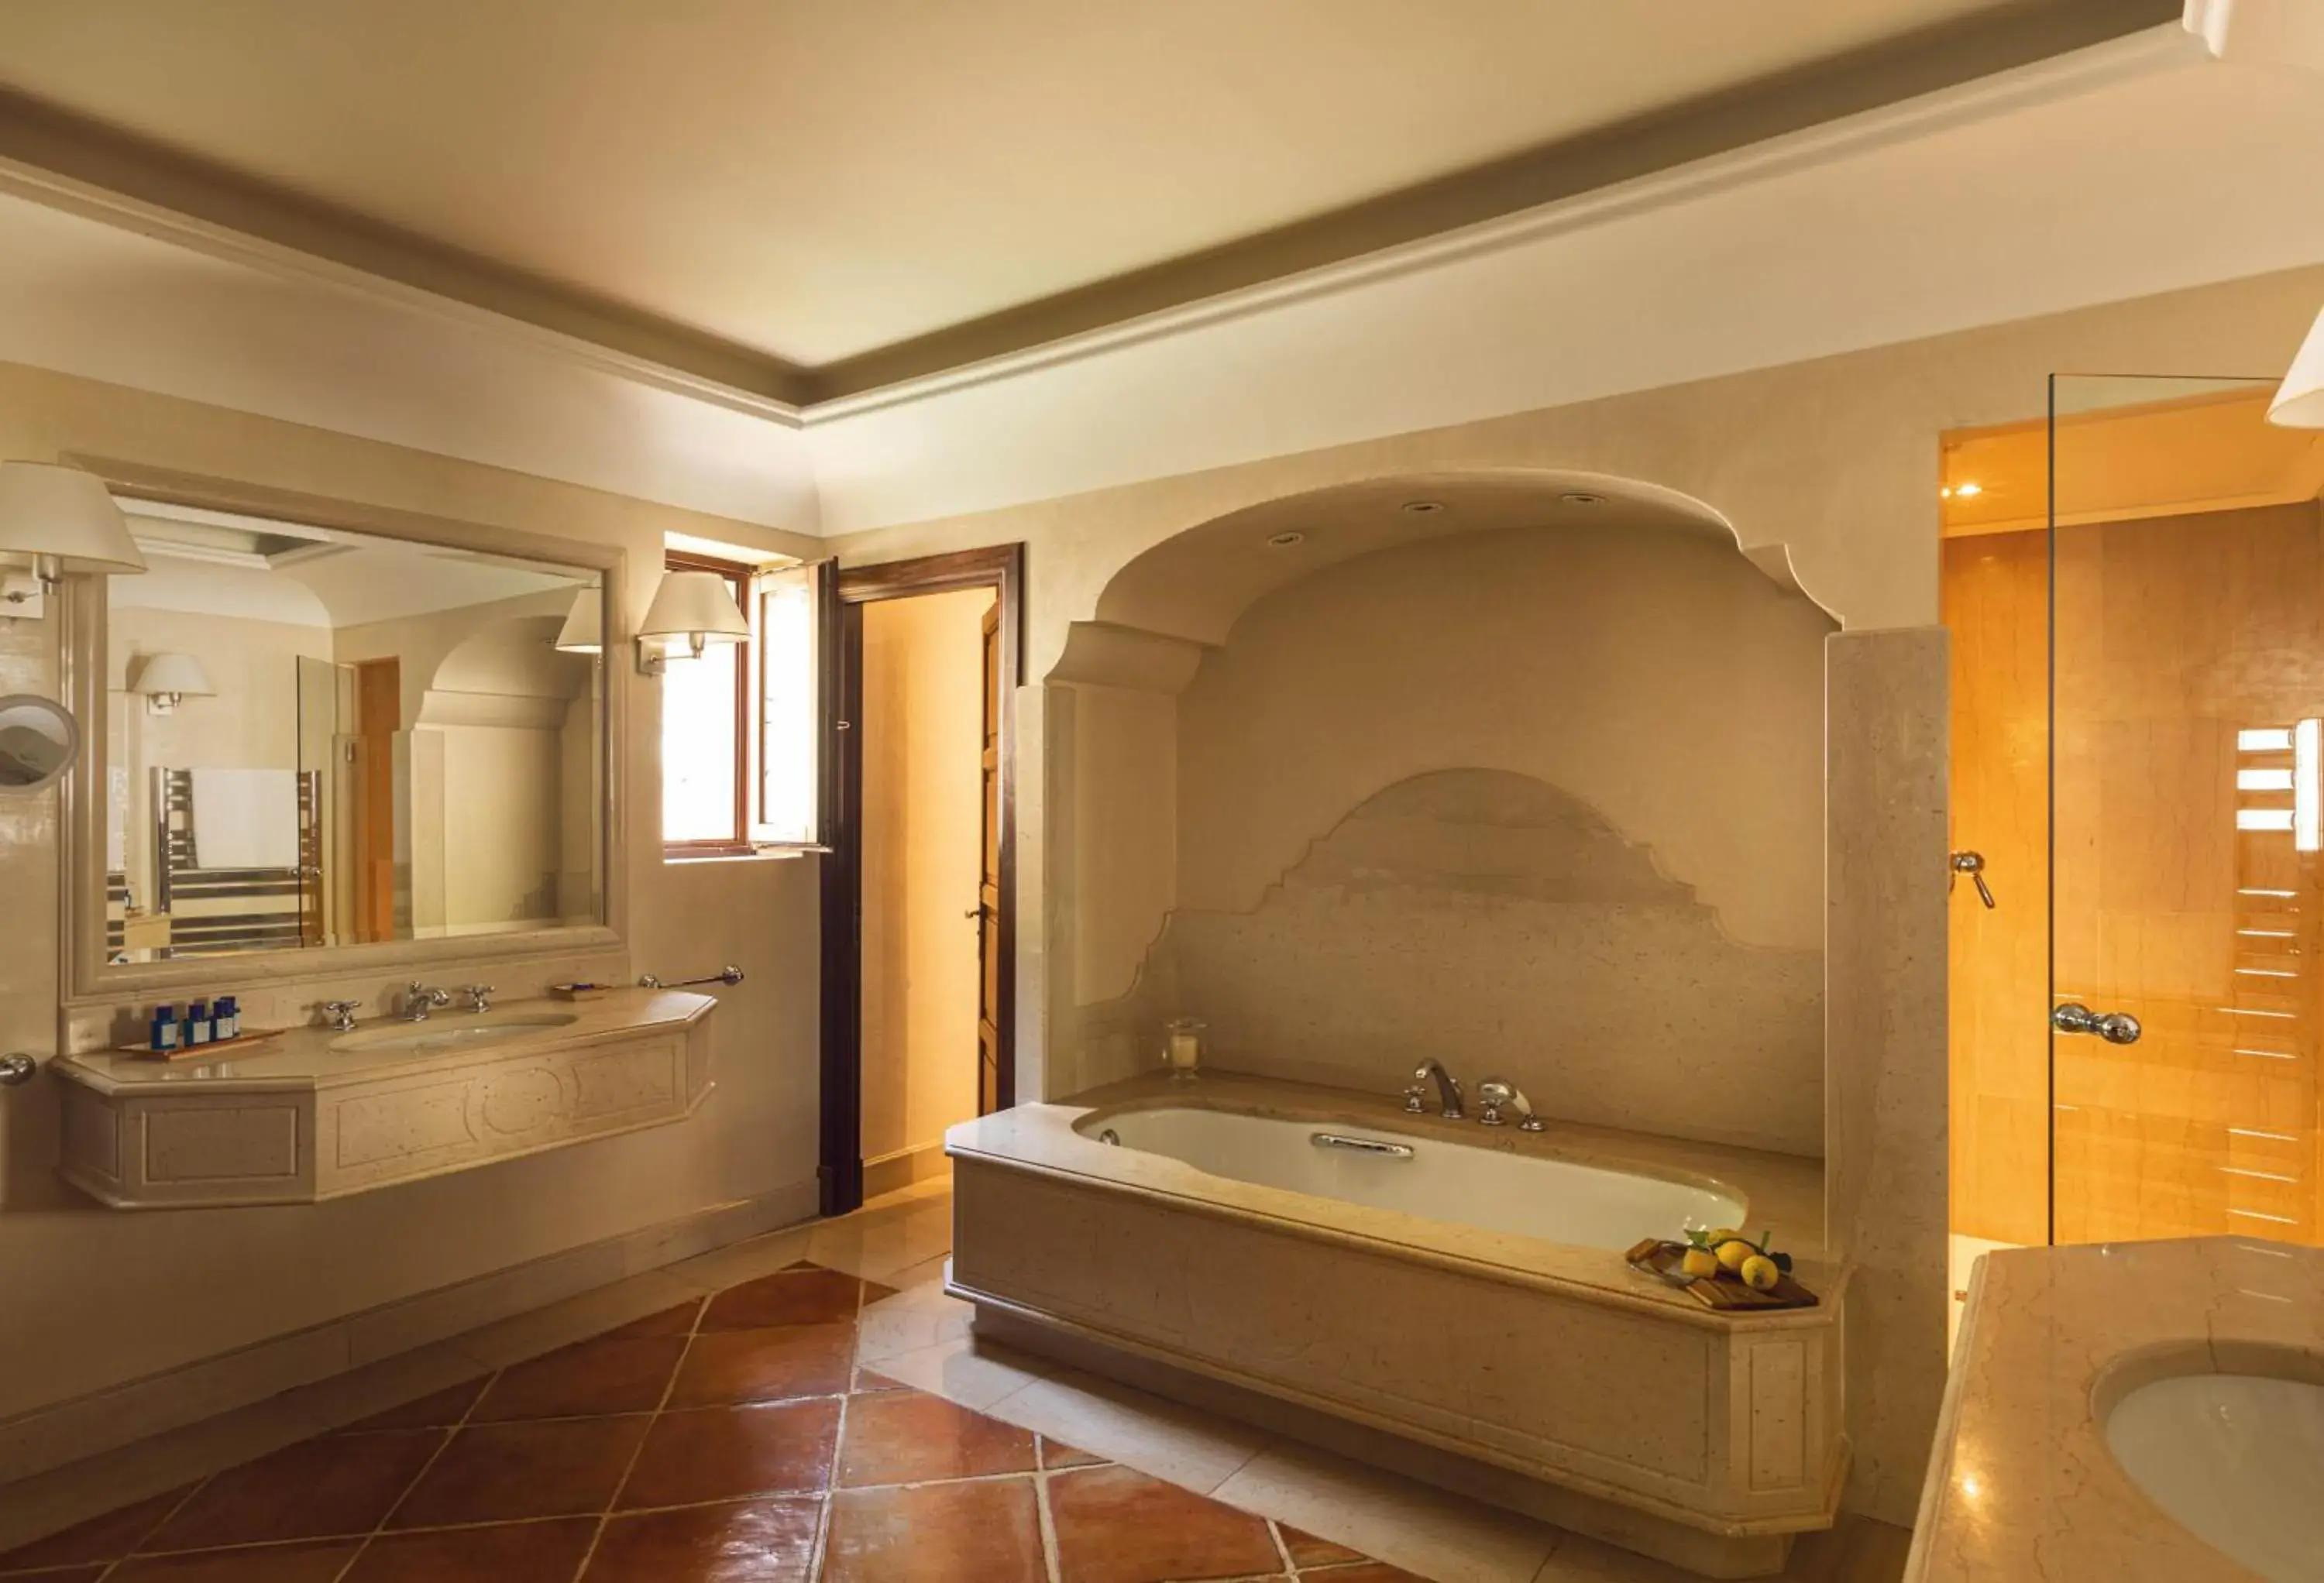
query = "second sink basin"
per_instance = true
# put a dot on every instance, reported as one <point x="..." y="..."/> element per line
<point x="2237" y="1459"/>
<point x="453" y="1033"/>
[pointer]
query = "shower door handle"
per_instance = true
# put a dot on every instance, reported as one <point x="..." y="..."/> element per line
<point x="1973" y="865"/>
<point x="2115" y="1027"/>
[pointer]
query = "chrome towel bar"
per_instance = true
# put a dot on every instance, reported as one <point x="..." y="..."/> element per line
<point x="731" y="974"/>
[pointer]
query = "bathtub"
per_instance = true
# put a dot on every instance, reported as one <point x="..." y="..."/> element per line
<point x="1554" y="1200"/>
<point x="1442" y="1299"/>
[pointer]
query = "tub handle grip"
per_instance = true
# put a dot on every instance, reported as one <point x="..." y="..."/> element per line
<point x="1363" y="1146"/>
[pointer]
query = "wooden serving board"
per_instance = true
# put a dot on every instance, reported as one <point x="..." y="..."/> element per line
<point x="1662" y="1258"/>
<point x="208" y="1051"/>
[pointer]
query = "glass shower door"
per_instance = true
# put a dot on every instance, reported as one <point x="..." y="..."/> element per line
<point x="2186" y="693"/>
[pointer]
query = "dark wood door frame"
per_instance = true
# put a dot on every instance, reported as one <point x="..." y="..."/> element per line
<point x="1000" y="567"/>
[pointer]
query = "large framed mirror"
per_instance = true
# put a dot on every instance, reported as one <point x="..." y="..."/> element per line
<point x="319" y="737"/>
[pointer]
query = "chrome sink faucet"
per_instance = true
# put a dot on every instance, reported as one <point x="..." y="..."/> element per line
<point x="480" y="996"/>
<point x="1498" y="1094"/>
<point x="1448" y="1091"/>
<point x="419" y="1000"/>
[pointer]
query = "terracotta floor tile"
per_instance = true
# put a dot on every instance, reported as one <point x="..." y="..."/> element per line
<point x="1309" y="1550"/>
<point x="904" y="1437"/>
<point x="515" y="1552"/>
<point x="725" y="1453"/>
<point x="93" y="1574"/>
<point x="100" y="1539"/>
<point x="589" y="1379"/>
<point x="867" y="1380"/>
<point x="275" y="1563"/>
<point x="726" y="1366"/>
<point x="506" y="1472"/>
<point x="1375" y="1572"/>
<point x="988" y="1532"/>
<point x="1056" y="1454"/>
<point x="670" y="1321"/>
<point x="1117" y="1525"/>
<point x="334" y="1484"/>
<point x="752" y="1542"/>
<point x="441" y="1411"/>
<point x="787" y="1297"/>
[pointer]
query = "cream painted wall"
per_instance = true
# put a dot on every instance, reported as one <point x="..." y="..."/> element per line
<point x="923" y="822"/>
<point x="101" y="1296"/>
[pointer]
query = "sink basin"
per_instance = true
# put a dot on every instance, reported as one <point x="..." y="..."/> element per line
<point x="453" y="1033"/>
<point x="2237" y="1459"/>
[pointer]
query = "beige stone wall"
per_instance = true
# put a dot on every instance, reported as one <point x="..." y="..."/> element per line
<point x="100" y="1296"/>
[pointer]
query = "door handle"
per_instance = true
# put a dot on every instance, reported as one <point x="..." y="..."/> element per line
<point x="1973" y="865"/>
<point x="2115" y="1027"/>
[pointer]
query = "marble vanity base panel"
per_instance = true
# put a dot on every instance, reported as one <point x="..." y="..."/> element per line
<point x="1706" y="1554"/>
<point x="87" y="1426"/>
<point x="1726" y="1427"/>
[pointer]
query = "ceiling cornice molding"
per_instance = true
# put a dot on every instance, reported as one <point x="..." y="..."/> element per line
<point x="2165" y="47"/>
<point x="32" y="155"/>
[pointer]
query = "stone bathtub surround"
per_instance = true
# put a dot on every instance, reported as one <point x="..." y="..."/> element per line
<point x="2022" y="1483"/>
<point x="1461" y="1355"/>
<point x="299" y="1121"/>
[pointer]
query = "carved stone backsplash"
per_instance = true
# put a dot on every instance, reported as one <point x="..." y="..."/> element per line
<point x="1507" y="928"/>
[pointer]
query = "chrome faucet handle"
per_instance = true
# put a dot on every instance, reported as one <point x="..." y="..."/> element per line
<point x="1496" y="1095"/>
<point x="480" y="995"/>
<point x="339" y="1015"/>
<point x="1415" y="1100"/>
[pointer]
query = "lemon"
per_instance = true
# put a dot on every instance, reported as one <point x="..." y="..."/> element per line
<point x="1759" y="1273"/>
<point x="1724" y="1233"/>
<point x="1734" y="1251"/>
<point x="1698" y="1261"/>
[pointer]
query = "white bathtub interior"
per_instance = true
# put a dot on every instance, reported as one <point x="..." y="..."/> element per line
<point x="1527" y="1195"/>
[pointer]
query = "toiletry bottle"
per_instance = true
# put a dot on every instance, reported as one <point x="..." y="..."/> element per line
<point x="197" y="1024"/>
<point x="225" y="1019"/>
<point x="165" y="1028"/>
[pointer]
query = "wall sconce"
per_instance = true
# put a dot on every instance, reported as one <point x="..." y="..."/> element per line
<point x="2300" y="400"/>
<point x="584" y="631"/>
<point x="690" y="612"/>
<point x="169" y="679"/>
<point x="62" y="520"/>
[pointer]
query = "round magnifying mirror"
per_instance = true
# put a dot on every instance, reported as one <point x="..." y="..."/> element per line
<point x="39" y="739"/>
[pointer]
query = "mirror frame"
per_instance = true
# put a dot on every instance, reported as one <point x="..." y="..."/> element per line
<point x="88" y="978"/>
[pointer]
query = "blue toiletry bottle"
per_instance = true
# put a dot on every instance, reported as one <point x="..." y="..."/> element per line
<point x="226" y="1020"/>
<point x="198" y="1023"/>
<point x="165" y="1028"/>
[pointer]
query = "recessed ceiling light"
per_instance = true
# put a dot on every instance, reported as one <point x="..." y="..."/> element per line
<point x="1581" y="497"/>
<point x="1423" y="508"/>
<point x="1285" y="540"/>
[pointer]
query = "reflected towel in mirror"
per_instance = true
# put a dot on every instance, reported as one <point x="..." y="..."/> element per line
<point x="245" y="818"/>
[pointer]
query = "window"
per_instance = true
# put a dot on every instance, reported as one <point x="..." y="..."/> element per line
<point x="739" y="721"/>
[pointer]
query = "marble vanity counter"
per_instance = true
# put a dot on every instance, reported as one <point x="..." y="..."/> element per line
<point x="319" y="1114"/>
<point x="1783" y="1193"/>
<point x="2022" y="1483"/>
<point x="318" y="1057"/>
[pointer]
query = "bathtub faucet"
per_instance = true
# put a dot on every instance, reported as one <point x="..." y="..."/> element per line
<point x="1498" y="1094"/>
<point x="1448" y="1091"/>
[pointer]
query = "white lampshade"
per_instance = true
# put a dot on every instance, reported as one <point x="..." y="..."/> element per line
<point x="584" y="631"/>
<point x="64" y="519"/>
<point x="694" y="609"/>
<point x="171" y="674"/>
<point x="2300" y="400"/>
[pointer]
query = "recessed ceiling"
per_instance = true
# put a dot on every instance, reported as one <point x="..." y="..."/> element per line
<point x="853" y="193"/>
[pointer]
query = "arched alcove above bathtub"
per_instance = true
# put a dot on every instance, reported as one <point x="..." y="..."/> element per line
<point x="1252" y="686"/>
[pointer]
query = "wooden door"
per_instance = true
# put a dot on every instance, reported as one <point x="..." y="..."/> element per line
<point x="379" y="716"/>
<point x="990" y="968"/>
